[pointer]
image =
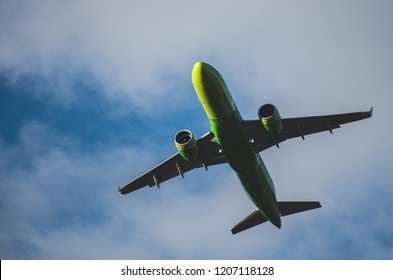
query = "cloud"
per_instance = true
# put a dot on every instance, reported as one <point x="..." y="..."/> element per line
<point x="58" y="189"/>
<point x="129" y="48"/>
<point x="68" y="208"/>
<point x="136" y="53"/>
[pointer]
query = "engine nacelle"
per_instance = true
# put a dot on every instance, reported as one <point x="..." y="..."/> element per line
<point x="270" y="118"/>
<point x="187" y="145"/>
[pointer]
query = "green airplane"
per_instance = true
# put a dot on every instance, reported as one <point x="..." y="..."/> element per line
<point x="238" y="142"/>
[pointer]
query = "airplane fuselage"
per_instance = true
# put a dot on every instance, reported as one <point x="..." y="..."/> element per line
<point x="228" y="128"/>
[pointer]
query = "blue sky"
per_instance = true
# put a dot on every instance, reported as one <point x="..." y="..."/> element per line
<point x="92" y="93"/>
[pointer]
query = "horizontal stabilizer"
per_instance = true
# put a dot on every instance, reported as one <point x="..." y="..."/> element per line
<point x="292" y="207"/>
<point x="285" y="207"/>
<point x="255" y="218"/>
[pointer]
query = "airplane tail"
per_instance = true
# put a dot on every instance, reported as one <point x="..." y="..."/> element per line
<point x="285" y="207"/>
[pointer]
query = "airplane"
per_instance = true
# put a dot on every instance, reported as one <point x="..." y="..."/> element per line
<point x="238" y="142"/>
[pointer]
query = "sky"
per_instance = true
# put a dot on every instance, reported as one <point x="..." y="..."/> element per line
<point x="93" y="92"/>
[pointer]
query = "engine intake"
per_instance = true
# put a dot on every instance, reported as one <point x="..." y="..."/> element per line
<point x="187" y="145"/>
<point x="270" y="118"/>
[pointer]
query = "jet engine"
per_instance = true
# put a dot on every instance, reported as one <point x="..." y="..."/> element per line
<point x="270" y="118"/>
<point x="187" y="145"/>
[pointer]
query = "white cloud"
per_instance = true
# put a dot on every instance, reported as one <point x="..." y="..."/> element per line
<point x="68" y="207"/>
<point x="280" y="52"/>
<point x="130" y="48"/>
<point x="308" y="58"/>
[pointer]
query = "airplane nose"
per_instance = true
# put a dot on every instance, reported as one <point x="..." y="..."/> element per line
<point x="197" y="67"/>
<point x="212" y="91"/>
<point x="202" y="72"/>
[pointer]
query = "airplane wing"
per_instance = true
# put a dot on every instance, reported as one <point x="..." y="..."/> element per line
<point x="209" y="153"/>
<point x="298" y="127"/>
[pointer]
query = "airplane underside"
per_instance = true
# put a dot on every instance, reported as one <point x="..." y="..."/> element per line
<point x="253" y="175"/>
<point x="238" y="142"/>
